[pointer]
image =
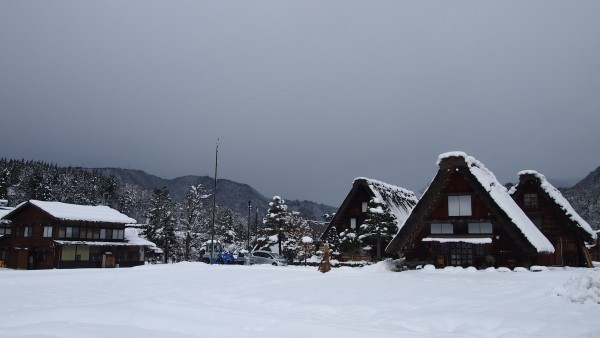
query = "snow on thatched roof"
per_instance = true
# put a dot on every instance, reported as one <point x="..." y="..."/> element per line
<point x="502" y="198"/>
<point x="400" y="201"/>
<point x="74" y="212"/>
<point x="559" y="199"/>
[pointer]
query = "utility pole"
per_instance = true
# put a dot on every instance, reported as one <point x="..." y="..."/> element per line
<point x="212" y="231"/>
<point x="248" y="238"/>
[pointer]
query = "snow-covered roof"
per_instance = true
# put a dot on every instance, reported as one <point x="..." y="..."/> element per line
<point x="133" y="236"/>
<point x="559" y="199"/>
<point x="5" y="211"/>
<point x="400" y="201"/>
<point x="94" y="243"/>
<point x="471" y="240"/>
<point x="74" y="212"/>
<point x="502" y="198"/>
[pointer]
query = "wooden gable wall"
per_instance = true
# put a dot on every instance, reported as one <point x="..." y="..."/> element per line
<point x="506" y="244"/>
<point x="567" y="238"/>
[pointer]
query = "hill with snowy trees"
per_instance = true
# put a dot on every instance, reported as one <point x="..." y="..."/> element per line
<point x="585" y="198"/>
<point x="128" y="190"/>
<point x="175" y="214"/>
<point x="232" y="194"/>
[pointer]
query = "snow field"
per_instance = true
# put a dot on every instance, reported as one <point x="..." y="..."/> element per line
<point x="198" y="300"/>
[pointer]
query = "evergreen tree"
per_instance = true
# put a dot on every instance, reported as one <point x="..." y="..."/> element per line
<point x="296" y="228"/>
<point x="333" y="238"/>
<point x="161" y="222"/>
<point x="275" y="222"/>
<point x="192" y="220"/>
<point x="350" y="242"/>
<point x="379" y="227"/>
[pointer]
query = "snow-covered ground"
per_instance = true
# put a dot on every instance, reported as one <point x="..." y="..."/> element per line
<point x="198" y="300"/>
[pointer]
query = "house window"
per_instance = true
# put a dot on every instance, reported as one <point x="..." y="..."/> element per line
<point x="530" y="201"/>
<point x="48" y="231"/>
<point x="27" y="231"/>
<point x="109" y="233"/>
<point x="102" y="233"/>
<point x="5" y="231"/>
<point x="352" y="223"/>
<point x="480" y="228"/>
<point x="459" y="205"/>
<point x="69" y="233"/>
<point x="442" y="228"/>
<point x="118" y="234"/>
<point x="364" y="206"/>
<point x="75" y="232"/>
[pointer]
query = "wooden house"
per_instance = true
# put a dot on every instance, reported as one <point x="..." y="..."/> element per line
<point x="467" y="218"/>
<point x="353" y="211"/>
<point x="45" y="235"/>
<point x="556" y="219"/>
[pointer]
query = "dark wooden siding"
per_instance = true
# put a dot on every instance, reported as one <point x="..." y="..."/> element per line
<point x="562" y="232"/>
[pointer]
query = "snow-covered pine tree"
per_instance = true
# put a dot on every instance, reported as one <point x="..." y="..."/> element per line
<point x="227" y="232"/>
<point x="161" y="222"/>
<point x="193" y="217"/>
<point x="350" y="242"/>
<point x="379" y="227"/>
<point x="295" y="228"/>
<point x="333" y="238"/>
<point x="275" y="222"/>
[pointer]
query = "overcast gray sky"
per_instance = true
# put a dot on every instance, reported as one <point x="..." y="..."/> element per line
<point x="304" y="95"/>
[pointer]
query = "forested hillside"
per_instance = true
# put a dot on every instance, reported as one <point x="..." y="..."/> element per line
<point x="129" y="191"/>
<point x="176" y="214"/>
<point x="585" y="198"/>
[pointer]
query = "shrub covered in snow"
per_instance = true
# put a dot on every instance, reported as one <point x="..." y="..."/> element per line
<point x="581" y="288"/>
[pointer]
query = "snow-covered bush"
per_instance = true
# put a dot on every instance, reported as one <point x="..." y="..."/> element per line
<point x="429" y="267"/>
<point x="538" y="268"/>
<point x="581" y="288"/>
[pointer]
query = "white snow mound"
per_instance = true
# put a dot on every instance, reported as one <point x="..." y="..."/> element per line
<point x="581" y="288"/>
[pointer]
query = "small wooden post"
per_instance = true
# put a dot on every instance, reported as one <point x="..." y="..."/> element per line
<point x="325" y="265"/>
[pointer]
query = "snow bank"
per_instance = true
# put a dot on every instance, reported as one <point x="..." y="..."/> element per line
<point x="188" y="300"/>
<point x="581" y="288"/>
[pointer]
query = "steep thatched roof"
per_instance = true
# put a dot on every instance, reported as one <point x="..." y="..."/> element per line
<point x="560" y="202"/>
<point x="399" y="200"/>
<point x="488" y="188"/>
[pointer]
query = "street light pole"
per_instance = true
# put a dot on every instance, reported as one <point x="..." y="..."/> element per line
<point x="248" y="238"/>
<point x="256" y="223"/>
<point x="214" y="211"/>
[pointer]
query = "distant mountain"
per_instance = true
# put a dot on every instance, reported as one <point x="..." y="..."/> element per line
<point x="564" y="183"/>
<point x="229" y="193"/>
<point x="585" y="198"/>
